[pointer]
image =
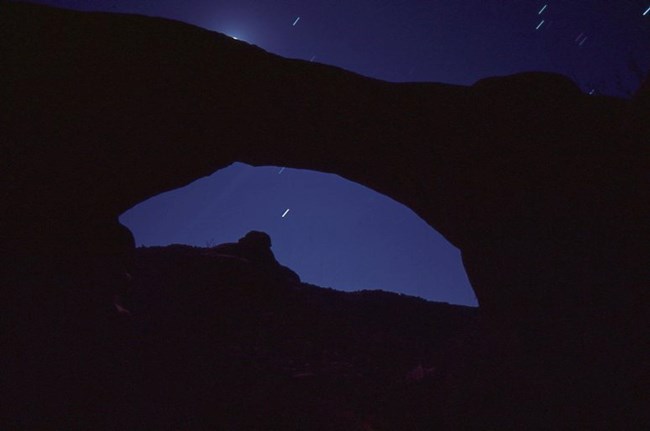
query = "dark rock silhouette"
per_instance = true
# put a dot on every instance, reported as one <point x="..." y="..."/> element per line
<point x="236" y="347"/>
<point x="542" y="188"/>
<point x="255" y="248"/>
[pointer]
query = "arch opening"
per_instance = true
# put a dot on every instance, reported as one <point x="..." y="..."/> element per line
<point x="331" y="231"/>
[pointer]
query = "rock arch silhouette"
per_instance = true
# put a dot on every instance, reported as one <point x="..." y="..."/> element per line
<point x="542" y="188"/>
<point x="536" y="183"/>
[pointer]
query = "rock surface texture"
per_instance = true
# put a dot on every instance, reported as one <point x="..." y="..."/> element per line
<point x="542" y="188"/>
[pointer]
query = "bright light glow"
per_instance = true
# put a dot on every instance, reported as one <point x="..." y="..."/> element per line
<point x="539" y="25"/>
<point x="285" y="213"/>
<point x="646" y="11"/>
<point x="542" y="10"/>
<point x="235" y="34"/>
<point x="296" y="21"/>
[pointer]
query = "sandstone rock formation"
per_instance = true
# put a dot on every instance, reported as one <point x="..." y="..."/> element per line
<point x="542" y="188"/>
<point x="254" y="248"/>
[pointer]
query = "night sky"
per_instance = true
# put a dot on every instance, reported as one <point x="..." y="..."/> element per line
<point x="342" y="235"/>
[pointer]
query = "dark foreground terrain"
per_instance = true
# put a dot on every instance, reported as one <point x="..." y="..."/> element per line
<point x="215" y="341"/>
<point x="234" y="345"/>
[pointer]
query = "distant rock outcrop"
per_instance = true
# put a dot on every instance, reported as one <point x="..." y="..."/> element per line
<point x="542" y="188"/>
<point x="255" y="248"/>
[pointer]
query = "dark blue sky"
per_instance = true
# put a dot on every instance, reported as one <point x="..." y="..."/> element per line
<point x="342" y="235"/>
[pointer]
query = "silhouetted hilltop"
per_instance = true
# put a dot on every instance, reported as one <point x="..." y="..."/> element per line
<point x="231" y="345"/>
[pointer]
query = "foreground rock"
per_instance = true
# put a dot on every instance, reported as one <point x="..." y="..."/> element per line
<point x="213" y="342"/>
